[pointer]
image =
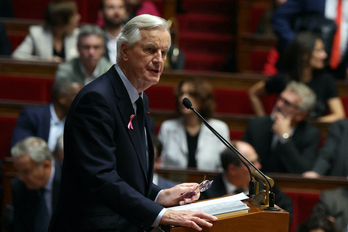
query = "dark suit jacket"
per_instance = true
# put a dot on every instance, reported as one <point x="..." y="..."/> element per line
<point x="284" y="16"/>
<point x="295" y="156"/>
<point x="218" y="189"/>
<point x="32" y="121"/>
<point x="334" y="203"/>
<point x="333" y="156"/>
<point x="26" y="202"/>
<point x="105" y="185"/>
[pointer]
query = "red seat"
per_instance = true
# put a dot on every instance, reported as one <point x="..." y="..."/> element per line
<point x="6" y="124"/>
<point x="26" y="89"/>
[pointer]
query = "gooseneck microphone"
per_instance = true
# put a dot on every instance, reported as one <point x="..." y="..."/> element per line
<point x="187" y="103"/>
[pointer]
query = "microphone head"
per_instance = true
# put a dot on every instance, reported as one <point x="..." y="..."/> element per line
<point x="187" y="103"/>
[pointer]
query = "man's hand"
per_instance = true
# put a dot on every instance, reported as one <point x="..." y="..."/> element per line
<point x="281" y="124"/>
<point x="174" y="196"/>
<point x="187" y="219"/>
<point x="311" y="174"/>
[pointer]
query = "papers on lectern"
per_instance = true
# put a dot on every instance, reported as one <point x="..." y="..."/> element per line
<point x="217" y="206"/>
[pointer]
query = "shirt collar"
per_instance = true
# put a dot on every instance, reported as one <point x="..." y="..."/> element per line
<point x="230" y="188"/>
<point x="49" y="185"/>
<point x="132" y="91"/>
<point x="54" y="117"/>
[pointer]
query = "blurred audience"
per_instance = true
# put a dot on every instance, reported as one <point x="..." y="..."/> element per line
<point x="185" y="138"/>
<point x="175" y="57"/>
<point x="333" y="204"/>
<point x="284" y="141"/>
<point x="35" y="189"/>
<point x="304" y="60"/>
<point x="285" y="15"/>
<point x="158" y="180"/>
<point x="114" y="14"/>
<point x="333" y="156"/>
<point x="47" y="121"/>
<point x="265" y="26"/>
<point x="55" y="40"/>
<point x="90" y="64"/>
<point x="139" y="7"/>
<point x="5" y="46"/>
<point x="317" y="224"/>
<point x="235" y="177"/>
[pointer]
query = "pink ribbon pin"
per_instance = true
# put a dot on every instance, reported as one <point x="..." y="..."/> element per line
<point x="130" y="125"/>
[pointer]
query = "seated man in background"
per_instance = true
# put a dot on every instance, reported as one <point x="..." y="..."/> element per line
<point x="114" y="14"/>
<point x="158" y="180"/>
<point x="284" y="141"/>
<point x="47" y="121"/>
<point x="35" y="189"/>
<point x="333" y="156"/>
<point x="91" y="63"/>
<point x="236" y="177"/>
<point x="334" y="205"/>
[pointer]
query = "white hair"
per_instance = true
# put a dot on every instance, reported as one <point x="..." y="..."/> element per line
<point x="130" y="33"/>
<point x="308" y="96"/>
<point x="35" y="147"/>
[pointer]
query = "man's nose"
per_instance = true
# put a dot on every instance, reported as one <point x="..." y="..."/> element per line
<point x="158" y="57"/>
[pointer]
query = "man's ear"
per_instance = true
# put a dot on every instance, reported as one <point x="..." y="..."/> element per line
<point x="124" y="51"/>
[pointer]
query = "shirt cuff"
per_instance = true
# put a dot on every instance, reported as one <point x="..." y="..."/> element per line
<point x="158" y="218"/>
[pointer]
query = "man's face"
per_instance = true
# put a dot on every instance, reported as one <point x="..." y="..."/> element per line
<point x="241" y="174"/>
<point x="114" y="12"/>
<point x="91" y="49"/>
<point x="33" y="175"/>
<point x="67" y="97"/>
<point x="145" y="60"/>
<point x="288" y="104"/>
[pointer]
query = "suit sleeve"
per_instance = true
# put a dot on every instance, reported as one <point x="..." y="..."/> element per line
<point x="24" y="127"/>
<point x="281" y="22"/>
<point x="329" y="150"/>
<point x="299" y="156"/>
<point x="94" y="127"/>
<point x="26" y="49"/>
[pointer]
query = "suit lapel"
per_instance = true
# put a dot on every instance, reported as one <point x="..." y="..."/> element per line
<point x="126" y="110"/>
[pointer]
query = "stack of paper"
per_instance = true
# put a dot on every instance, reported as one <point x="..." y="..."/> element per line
<point x="217" y="206"/>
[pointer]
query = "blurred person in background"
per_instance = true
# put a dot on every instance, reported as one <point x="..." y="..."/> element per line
<point x="114" y="15"/>
<point x="187" y="142"/>
<point x="304" y="60"/>
<point x="55" y="40"/>
<point x="90" y="64"/>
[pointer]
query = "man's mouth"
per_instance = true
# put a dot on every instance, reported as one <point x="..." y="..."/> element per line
<point x="154" y="70"/>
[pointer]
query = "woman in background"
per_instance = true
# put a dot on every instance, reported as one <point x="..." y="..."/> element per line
<point x="56" y="40"/>
<point x="187" y="143"/>
<point x="304" y="60"/>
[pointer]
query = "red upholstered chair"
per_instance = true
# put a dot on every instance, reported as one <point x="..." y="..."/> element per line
<point x="6" y="124"/>
<point x="26" y="89"/>
<point x="303" y="204"/>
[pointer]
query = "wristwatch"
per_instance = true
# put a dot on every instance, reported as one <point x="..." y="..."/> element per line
<point x="284" y="138"/>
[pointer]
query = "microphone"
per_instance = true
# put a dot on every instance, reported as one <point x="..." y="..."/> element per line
<point x="187" y="103"/>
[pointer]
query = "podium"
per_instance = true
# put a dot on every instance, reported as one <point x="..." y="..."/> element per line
<point x="254" y="219"/>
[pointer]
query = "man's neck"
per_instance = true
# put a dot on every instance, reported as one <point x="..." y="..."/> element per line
<point x="113" y="31"/>
<point x="60" y="112"/>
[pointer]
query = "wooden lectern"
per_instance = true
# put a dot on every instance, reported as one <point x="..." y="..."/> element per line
<point x="255" y="219"/>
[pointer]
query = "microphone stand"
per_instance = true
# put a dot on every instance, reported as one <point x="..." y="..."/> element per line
<point x="187" y="103"/>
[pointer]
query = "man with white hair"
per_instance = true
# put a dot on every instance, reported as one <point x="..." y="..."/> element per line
<point x="284" y="141"/>
<point x="109" y="157"/>
<point x="35" y="189"/>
